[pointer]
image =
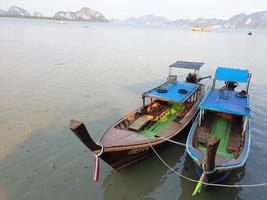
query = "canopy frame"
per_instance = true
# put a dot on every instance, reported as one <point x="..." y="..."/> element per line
<point x="232" y="72"/>
<point x="192" y="88"/>
<point x="186" y="65"/>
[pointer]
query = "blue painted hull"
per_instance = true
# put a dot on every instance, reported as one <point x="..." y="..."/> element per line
<point x="224" y="170"/>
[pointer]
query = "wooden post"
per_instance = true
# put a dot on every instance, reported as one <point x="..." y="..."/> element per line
<point x="144" y="103"/>
<point x="213" y="144"/>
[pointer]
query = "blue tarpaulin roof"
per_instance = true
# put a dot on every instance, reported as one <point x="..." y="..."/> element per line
<point x="173" y="94"/>
<point x="187" y="65"/>
<point x="229" y="74"/>
<point x="232" y="105"/>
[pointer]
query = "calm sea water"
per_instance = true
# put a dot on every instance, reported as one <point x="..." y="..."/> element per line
<point x="50" y="73"/>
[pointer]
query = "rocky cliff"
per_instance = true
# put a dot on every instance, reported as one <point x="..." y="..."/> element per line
<point x="15" y="11"/>
<point x="84" y="14"/>
<point x="257" y="20"/>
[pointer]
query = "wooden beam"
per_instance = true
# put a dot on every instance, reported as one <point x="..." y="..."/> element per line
<point x="213" y="144"/>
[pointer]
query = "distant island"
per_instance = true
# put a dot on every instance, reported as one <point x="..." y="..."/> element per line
<point x="84" y="14"/>
<point x="257" y="20"/>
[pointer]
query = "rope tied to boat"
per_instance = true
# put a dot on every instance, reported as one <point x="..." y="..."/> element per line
<point x="200" y="181"/>
<point x="172" y="141"/>
<point x="97" y="163"/>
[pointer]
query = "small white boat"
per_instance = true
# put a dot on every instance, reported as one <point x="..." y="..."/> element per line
<point x="61" y="22"/>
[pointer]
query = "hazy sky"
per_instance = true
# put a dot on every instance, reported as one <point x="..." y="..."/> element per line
<point x="173" y="9"/>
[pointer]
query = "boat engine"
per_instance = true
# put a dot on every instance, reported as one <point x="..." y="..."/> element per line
<point x="231" y="85"/>
<point x="192" y="78"/>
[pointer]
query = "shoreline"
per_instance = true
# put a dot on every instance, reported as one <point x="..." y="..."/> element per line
<point x="51" y="18"/>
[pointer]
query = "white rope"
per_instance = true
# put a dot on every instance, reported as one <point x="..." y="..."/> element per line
<point x="196" y="181"/>
<point x="101" y="151"/>
<point x="172" y="141"/>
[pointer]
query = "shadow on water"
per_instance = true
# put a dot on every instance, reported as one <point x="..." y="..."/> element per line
<point x="148" y="178"/>
<point x="142" y="178"/>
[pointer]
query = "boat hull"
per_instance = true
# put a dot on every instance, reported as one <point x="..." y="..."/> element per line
<point x="217" y="177"/>
<point x="120" y="158"/>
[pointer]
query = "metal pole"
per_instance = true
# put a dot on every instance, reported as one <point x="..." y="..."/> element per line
<point x="249" y="81"/>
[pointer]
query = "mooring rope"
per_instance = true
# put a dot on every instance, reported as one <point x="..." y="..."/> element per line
<point x="97" y="163"/>
<point x="197" y="181"/>
<point x="172" y="141"/>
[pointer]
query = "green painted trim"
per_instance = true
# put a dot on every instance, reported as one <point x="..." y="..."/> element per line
<point x="160" y="124"/>
<point x="221" y="128"/>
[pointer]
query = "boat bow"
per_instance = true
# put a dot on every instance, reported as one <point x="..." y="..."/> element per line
<point x="79" y="129"/>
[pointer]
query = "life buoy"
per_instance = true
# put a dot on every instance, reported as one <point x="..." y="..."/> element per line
<point x="162" y="90"/>
<point x="241" y="94"/>
<point x="182" y="91"/>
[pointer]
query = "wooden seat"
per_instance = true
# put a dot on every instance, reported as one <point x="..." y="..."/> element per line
<point x="139" y="123"/>
<point x="180" y="114"/>
<point x="234" y="137"/>
<point x="234" y="142"/>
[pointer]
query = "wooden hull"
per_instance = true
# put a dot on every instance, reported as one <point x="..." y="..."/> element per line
<point x="120" y="158"/>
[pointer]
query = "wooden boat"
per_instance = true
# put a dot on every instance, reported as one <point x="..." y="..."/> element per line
<point x="219" y="139"/>
<point x="166" y="111"/>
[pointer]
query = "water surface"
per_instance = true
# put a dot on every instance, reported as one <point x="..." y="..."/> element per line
<point x="96" y="72"/>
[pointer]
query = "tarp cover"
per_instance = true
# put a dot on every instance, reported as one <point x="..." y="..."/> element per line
<point x="187" y="65"/>
<point x="172" y="93"/>
<point x="232" y="105"/>
<point x="229" y="74"/>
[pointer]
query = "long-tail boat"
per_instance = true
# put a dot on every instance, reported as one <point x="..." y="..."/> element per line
<point x="166" y="111"/>
<point x="219" y="139"/>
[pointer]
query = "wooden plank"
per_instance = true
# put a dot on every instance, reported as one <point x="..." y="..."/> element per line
<point x="138" y="124"/>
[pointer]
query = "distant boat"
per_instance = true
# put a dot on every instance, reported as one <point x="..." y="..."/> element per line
<point x="167" y="110"/>
<point x="250" y="33"/>
<point x="199" y="29"/>
<point x="61" y="22"/>
<point x="224" y="117"/>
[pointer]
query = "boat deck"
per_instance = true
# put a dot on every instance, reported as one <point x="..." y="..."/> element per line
<point x="116" y="137"/>
<point x="221" y="128"/>
<point x="166" y="119"/>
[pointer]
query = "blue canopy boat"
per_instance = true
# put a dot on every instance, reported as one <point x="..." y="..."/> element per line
<point x="167" y="110"/>
<point x="225" y="116"/>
